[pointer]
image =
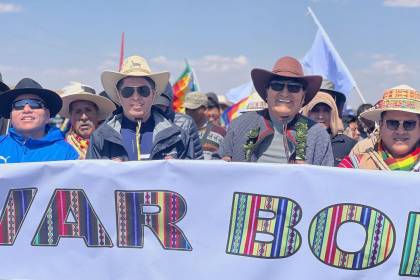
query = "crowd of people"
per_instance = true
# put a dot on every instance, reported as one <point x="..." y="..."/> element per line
<point x="299" y="119"/>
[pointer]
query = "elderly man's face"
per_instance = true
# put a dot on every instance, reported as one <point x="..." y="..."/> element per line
<point x="213" y="115"/>
<point x="284" y="98"/>
<point x="83" y="118"/>
<point x="136" y="95"/>
<point x="400" y="132"/>
<point x="29" y="121"/>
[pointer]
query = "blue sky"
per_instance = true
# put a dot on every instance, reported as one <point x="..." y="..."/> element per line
<point x="56" y="42"/>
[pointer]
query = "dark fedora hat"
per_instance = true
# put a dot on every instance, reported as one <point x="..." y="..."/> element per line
<point x="328" y="86"/>
<point x="29" y="86"/>
<point x="289" y="68"/>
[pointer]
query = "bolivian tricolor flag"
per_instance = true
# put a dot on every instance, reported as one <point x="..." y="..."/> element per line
<point x="185" y="83"/>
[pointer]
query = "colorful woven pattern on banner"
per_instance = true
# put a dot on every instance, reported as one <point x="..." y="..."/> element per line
<point x="70" y="214"/>
<point x="410" y="261"/>
<point x="133" y="216"/>
<point x="14" y="213"/>
<point x="246" y="221"/>
<point x="380" y="236"/>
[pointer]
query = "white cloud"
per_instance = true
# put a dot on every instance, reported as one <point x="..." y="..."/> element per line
<point x="216" y="73"/>
<point x="388" y="65"/>
<point x="402" y="3"/>
<point x="10" y="8"/>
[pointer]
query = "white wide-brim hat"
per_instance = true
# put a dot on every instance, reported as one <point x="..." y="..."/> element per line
<point x="133" y="66"/>
<point x="79" y="92"/>
<point x="400" y="98"/>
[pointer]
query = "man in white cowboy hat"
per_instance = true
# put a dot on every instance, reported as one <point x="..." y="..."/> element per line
<point x="85" y="109"/>
<point x="140" y="131"/>
<point x="29" y="107"/>
<point x="396" y="146"/>
<point x="279" y="134"/>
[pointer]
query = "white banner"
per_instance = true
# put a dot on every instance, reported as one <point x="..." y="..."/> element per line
<point x="206" y="220"/>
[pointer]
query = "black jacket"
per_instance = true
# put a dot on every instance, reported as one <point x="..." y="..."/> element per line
<point x="341" y="146"/>
<point x="168" y="140"/>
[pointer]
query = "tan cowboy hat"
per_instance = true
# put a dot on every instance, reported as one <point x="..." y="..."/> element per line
<point x="400" y="98"/>
<point x="79" y="92"/>
<point x="285" y="67"/>
<point x="133" y="66"/>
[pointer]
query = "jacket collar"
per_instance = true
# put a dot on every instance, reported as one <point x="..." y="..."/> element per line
<point x="52" y="134"/>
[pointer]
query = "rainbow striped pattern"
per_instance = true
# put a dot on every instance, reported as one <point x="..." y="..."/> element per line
<point x="379" y="243"/>
<point x="410" y="261"/>
<point x="14" y="213"/>
<point x="87" y="225"/>
<point x="181" y="87"/>
<point x="234" y="111"/>
<point x="245" y="224"/>
<point x="406" y="163"/>
<point x="131" y="219"/>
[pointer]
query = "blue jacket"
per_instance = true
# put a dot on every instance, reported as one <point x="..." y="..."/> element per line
<point x="14" y="148"/>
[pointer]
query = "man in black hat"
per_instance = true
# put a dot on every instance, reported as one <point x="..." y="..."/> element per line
<point x="213" y="109"/>
<point x="29" y="107"/>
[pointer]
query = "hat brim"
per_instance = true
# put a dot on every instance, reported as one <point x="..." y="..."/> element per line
<point x="374" y="114"/>
<point x="105" y="106"/>
<point x="261" y="78"/>
<point x="51" y="98"/>
<point x="3" y="87"/>
<point x="110" y="79"/>
<point x="340" y="99"/>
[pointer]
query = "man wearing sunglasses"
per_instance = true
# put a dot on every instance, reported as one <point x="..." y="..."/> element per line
<point x="396" y="146"/>
<point x="279" y="134"/>
<point x="140" y="132"/>
<point x="30" y="138"/>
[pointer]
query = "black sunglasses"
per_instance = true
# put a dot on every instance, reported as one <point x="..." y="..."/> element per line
<point x="395" y="124"/>
<point x="292" y="87"/>
<point x="33" y="103"/>
<point x="143" y="91"/>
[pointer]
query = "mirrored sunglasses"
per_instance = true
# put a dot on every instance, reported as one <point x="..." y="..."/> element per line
<point x="33" y="103"/>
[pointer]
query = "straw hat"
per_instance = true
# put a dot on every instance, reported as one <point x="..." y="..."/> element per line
<point x="133" y="66"/>
<point x="400" y="98"/>
<point x="79" y="92"/>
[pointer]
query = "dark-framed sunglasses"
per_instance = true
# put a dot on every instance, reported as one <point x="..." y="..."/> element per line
<point x="33" y="103"/>
<point x="292" y="87"/>
<point x="395" y="124"/>
<point x="143" y="91"/>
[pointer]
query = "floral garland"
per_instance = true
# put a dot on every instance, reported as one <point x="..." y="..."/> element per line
<point x="301" y="137"/>
<point x="249" y="145"/>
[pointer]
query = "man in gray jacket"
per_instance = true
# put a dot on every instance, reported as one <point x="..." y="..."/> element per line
<point x="279" y="134"/>
<point x="139" y="132"/>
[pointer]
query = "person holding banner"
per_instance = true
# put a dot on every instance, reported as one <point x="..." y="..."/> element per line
<point x="324" y="109"/>
<point x="280" y="134"/>
<point x="85" y="109"/>
<point x="31" y="138"/>
<point x="396" y="146"/>
<point x="140" y="131"/>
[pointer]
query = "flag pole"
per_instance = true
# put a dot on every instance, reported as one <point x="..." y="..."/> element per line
<point x="330" y="44"/>
<point x="194" y="75"/>
<point x="121" y="52"/>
